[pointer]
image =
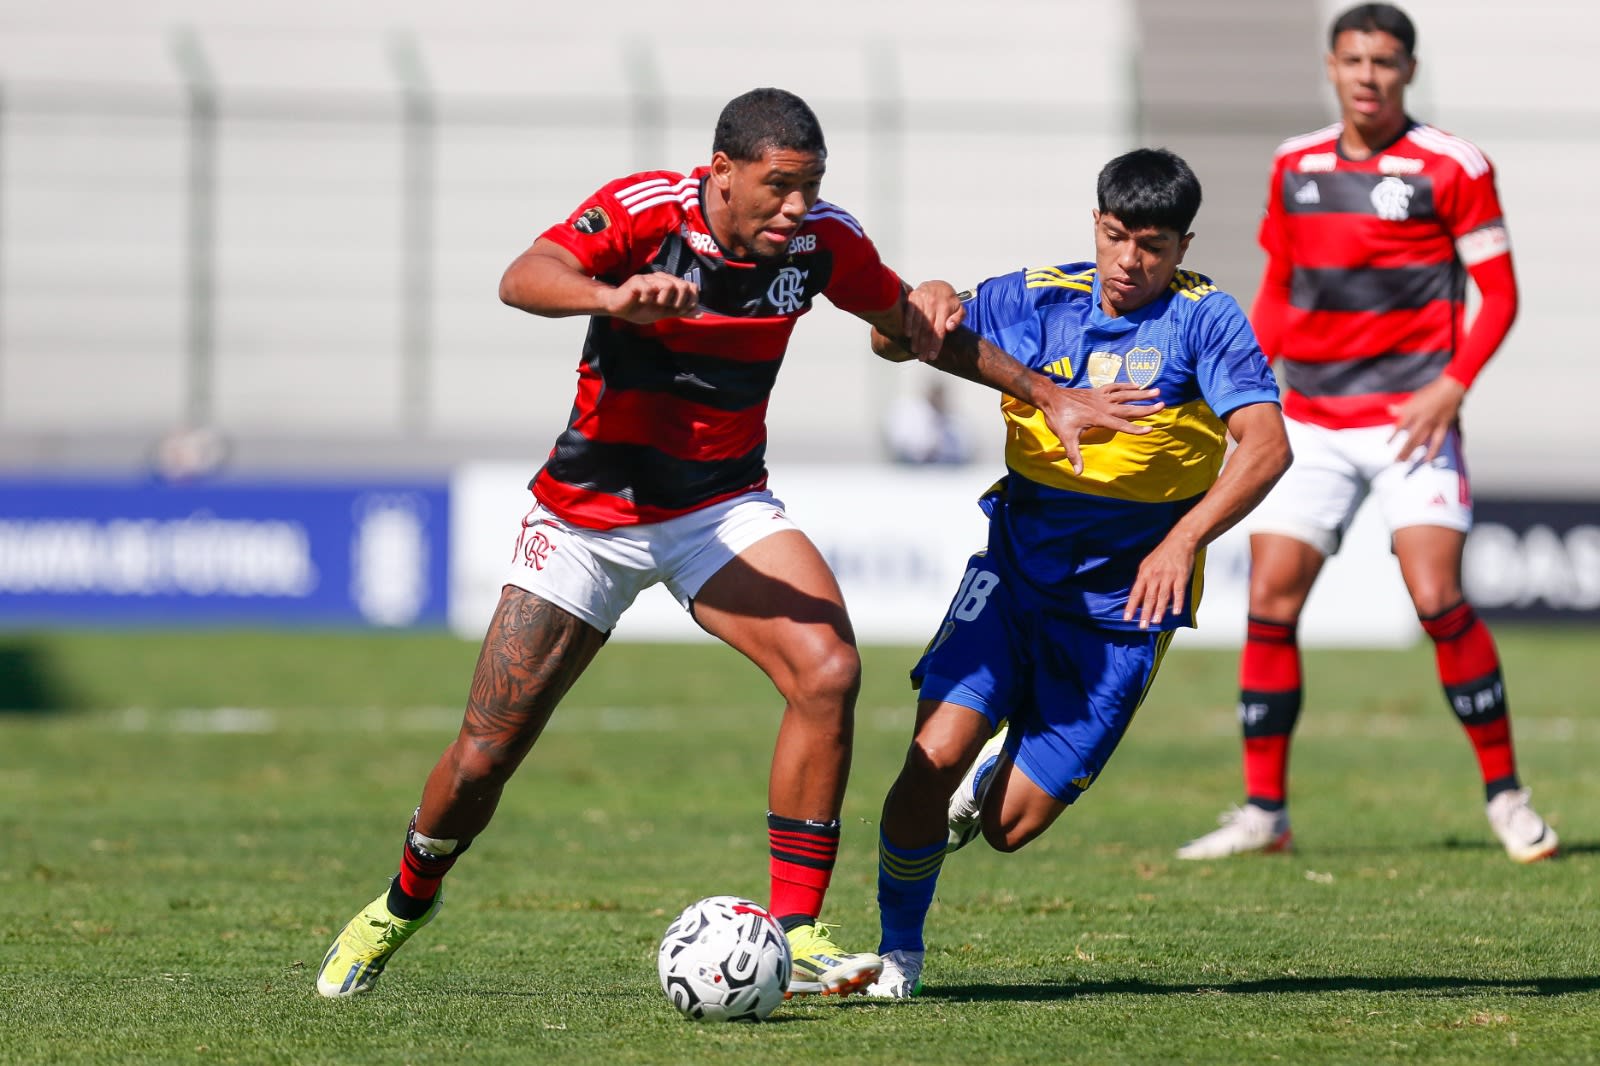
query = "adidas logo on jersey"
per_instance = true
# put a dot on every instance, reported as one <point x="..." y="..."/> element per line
<point x="1308" y="194"/>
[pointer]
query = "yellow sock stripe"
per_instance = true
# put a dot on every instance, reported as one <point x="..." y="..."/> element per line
<point x="914" y="870"/>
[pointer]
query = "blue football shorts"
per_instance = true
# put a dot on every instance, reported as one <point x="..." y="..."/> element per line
<point x="1068" y="687"/>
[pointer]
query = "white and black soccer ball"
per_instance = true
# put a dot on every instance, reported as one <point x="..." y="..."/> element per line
<point x="724" y="959"/>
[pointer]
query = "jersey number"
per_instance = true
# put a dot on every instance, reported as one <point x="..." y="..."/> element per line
<point x="973" y="594"/>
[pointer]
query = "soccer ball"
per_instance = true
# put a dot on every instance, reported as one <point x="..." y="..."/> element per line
<point x="724" y="959"/>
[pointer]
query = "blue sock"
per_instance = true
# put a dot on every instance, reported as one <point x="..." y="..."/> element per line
<point x="906" y="880"/>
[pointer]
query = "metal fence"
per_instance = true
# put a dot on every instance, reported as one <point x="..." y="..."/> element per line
<point x="296" y="267"/>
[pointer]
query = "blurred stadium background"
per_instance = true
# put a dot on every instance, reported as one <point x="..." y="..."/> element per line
<point x="263" y="242"/>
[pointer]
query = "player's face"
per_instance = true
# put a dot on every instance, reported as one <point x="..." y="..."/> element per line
<point x="1370" y="72"/>
<point x="1134" y="265"/>
<point x="757" y="205"/>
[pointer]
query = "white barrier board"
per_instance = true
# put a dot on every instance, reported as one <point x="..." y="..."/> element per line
<point x="898" y="538"/>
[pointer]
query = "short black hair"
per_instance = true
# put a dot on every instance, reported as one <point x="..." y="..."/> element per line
<point x="1150" y="187"/>
<point x="1376" y="18"/>
<point x="763" y="119"/>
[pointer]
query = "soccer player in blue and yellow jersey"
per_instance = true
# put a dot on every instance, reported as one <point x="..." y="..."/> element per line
<point x="1095" y="545"/>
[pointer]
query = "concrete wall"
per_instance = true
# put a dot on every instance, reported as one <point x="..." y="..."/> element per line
<point x="966" y="137"/>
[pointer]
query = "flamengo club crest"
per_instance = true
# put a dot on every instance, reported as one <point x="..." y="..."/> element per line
<point x="1143" y="366"/>
<point x="1391" y="198"/>
<point x="788" y="290"/>
<point x="1103" y="367"/>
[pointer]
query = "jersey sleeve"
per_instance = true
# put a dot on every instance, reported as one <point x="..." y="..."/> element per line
<point x="1228" y="362"/>
<point x="1000" y="311"/>
<point x="1273" y="235"/>
<point x="860" y="281"/>
<point x="1272" y="299"/>
<point x="1471" y="213"/>
<point x="600" y="231"/>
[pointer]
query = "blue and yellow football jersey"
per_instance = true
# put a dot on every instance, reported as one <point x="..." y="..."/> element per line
<point x="1075" y="541"/>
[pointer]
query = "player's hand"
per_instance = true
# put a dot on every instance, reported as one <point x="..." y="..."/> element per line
<point x="1424" y="419"/>
<point x="1073" y="412"/>
<point x="932" y="310"/>
<point x="1161" y="584"/>
<point x="646" y="298"/>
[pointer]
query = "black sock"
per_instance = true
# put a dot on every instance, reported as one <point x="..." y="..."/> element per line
<point x="404" y="907"/>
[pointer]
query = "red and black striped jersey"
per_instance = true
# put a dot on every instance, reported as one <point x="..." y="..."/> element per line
<point x="671" y="417"/>
<point x="1373" y="254"/>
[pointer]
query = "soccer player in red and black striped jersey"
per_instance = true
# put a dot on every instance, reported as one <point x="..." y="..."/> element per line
<point x="1373" y="227"/>
<point x="692" y="283"/>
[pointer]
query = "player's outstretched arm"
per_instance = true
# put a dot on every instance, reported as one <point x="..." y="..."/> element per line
<point x="1068" y="412"/>
<point x="916" y="326"/>
<point x="1254" y="467"/>
<point x="548" y="280"/>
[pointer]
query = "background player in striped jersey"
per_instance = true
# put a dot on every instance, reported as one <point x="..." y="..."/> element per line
<point x="1372" y="227"/>
<point x="692" y="283"/>
<point x="1094" y="555"/>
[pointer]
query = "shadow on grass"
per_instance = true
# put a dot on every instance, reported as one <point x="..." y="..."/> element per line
<point x="30" y="682"/>
<point x="1449" y="843"/>
<point x="1585" y="847"/>
<point x="1443" y="986"/>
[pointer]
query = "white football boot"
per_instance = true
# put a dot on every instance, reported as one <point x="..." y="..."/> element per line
<point x="967" y="801"/>
<point x="901" y="977"/>
<point x="1247" y="828"/>
<point x="1526" y="836"/>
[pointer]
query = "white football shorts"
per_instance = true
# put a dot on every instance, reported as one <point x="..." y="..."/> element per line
<point x="597" y="573"/>
<point x="1334" y="470"/>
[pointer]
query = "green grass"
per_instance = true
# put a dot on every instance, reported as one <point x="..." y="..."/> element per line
<point x="186" y="818"/>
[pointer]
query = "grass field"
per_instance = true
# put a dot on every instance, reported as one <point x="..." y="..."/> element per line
<point x="185" y="819"/>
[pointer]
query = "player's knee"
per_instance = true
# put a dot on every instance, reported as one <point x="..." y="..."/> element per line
<point x="1433" y="598"/>
<point x="476" y="766"/>
<point x="936" y="768"/>
<point x="1280" y="582"/>
<point x="1275" y="600"/>
<point x="829" y="678"/>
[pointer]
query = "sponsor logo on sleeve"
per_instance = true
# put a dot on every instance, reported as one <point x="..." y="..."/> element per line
<point x="1483" y="244"/>
<point x="591" y="221"/>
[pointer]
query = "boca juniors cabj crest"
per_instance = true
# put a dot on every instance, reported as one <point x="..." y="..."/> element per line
<point x="1143" y="366"/>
